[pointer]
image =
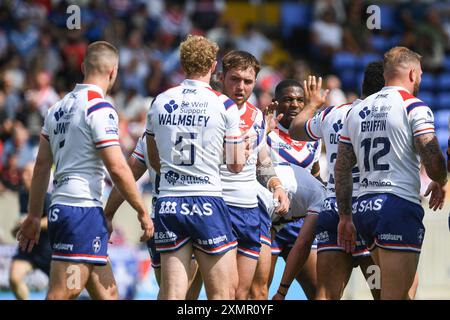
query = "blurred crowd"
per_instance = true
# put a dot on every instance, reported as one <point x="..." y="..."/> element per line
<point x="40" y="58"/>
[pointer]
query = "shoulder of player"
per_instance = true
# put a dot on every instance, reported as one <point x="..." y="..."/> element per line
<point x="410" y="102"/>
<point x="98" y="104"/>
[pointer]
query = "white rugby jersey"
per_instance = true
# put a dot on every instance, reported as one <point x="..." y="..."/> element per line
<point x="286" y="152"/>
<point x="381" y="130"/>
<point x="306" y="194"/>
<point x="76" y="127"/>
<point x="140" y="153"/>
<point x="327" y="126"/>
<point x="190" y="124"/>
<point x="240" y="189"/>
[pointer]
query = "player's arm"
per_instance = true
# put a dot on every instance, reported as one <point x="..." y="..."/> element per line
<point x="298" y="255"/>
<point x="265" y="174"/>
<point x="315" y="171"/>
<point x="153" y="154"/>
<point x="433" y="160"/>
<point x="346" y="160"/>
<point x="314" y="99"/>
<point x="235" y="156"/>
<point x="234" y="145"/>
<point x="115" y="198"/>
<point x="124" y="181"/>
<point x="28" y="234"/>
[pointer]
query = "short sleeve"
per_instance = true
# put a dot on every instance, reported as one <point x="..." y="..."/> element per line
<point x="232" y="119"/>
<point x="139" y="150"/>
<point x="313" y="127"/>
<point x="45" y="130"/>
<point x="345" y="137"/>
<point x="421" y="118"/>
<point x="316" y="204"/>
<point x="103" y="122"/>
<point x="149" y="126"/>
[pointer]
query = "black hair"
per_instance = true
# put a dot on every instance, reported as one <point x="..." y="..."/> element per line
<point x="285" y="84"/>
<point x="373" y="78"/>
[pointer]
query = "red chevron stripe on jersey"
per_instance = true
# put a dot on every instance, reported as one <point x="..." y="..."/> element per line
<point x="248" y="117"/>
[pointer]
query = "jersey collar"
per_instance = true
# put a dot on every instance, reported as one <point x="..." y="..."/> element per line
<point x="89" y="86"/>
<point x="395" y="88"/>
<point x="195" y="83"/>
<point x="282" y="129"/>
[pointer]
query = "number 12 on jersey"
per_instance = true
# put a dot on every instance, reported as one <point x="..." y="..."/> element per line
<point x="383" y="145"/>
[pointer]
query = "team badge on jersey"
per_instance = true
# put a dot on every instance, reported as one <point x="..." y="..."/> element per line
<point x="171" y="106"/>
<point x="96" y="244"/>
<point x="364" y="112"/>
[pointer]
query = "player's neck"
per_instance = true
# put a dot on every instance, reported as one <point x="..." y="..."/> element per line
<point x="102" y="84"/>
<point x="399" y="83"/>
<point x="206" y="78"/>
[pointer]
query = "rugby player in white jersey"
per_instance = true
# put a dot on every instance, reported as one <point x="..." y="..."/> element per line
<point x="139" y="163"/>
<point x="387" y="135"/>
<point x="251" y="224"/>
<point x="80" y="135"/>
<point x="288" y="155"/>
<point x="187" y="127"/>
<point x="334" y="265"/>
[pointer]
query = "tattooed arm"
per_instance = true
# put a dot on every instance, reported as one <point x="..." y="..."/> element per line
<point x="345" y="161"/>
<point x="433" y="160"/>
<point x="265" y="174"/>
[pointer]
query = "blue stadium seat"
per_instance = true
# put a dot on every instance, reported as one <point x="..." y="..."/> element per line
<point x="379" y="43"/>
<point x="344" y="61"/>
<point x="427" y="97"/>
<point x="367" y="58"/>
<point x="442" y="135"/>
<point x="443" y="81"/>
<point x="441" y="118"/>
<point x="443" y="101"/>
<point x="387" y="17"/>
<point x="294" y="15"/>
<point x="428" y="82"/>
<point x="348" y="79"/>
<point x="447" y="63"/>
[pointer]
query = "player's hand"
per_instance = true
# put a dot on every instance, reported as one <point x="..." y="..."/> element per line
<point x="346" y="234"/>
<point x="28" y="234"/>
<point x="437" y="197"/>
<point x="146" y="226"/>
<point x="280" y="196"/>
<point x="278" y="296"/>
<point x="314" y="96"/>
<point x="109" y="226"/>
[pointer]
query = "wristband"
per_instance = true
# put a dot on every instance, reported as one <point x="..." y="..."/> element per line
<point x="282" y="294"/>
<point x="286" y="286"/>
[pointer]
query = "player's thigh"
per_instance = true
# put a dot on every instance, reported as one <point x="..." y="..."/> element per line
<point x="218" y="272"/>
<point x="264" y="265"/>
<point x="333" y="272"/>
<point x="67" y="279"/>
<point x="398" y="270"/>
<point x="175" y="270"/>
<point x="372" y="274"/>
<point x="19" y="269"/>
<point x="101" y="284"/>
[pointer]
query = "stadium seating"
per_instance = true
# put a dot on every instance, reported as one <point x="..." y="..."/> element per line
<point x="295" y="15"/>
<point x="428" y="82"/>
<point x="427" y="97"/>
<point x="443" y="101"/>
